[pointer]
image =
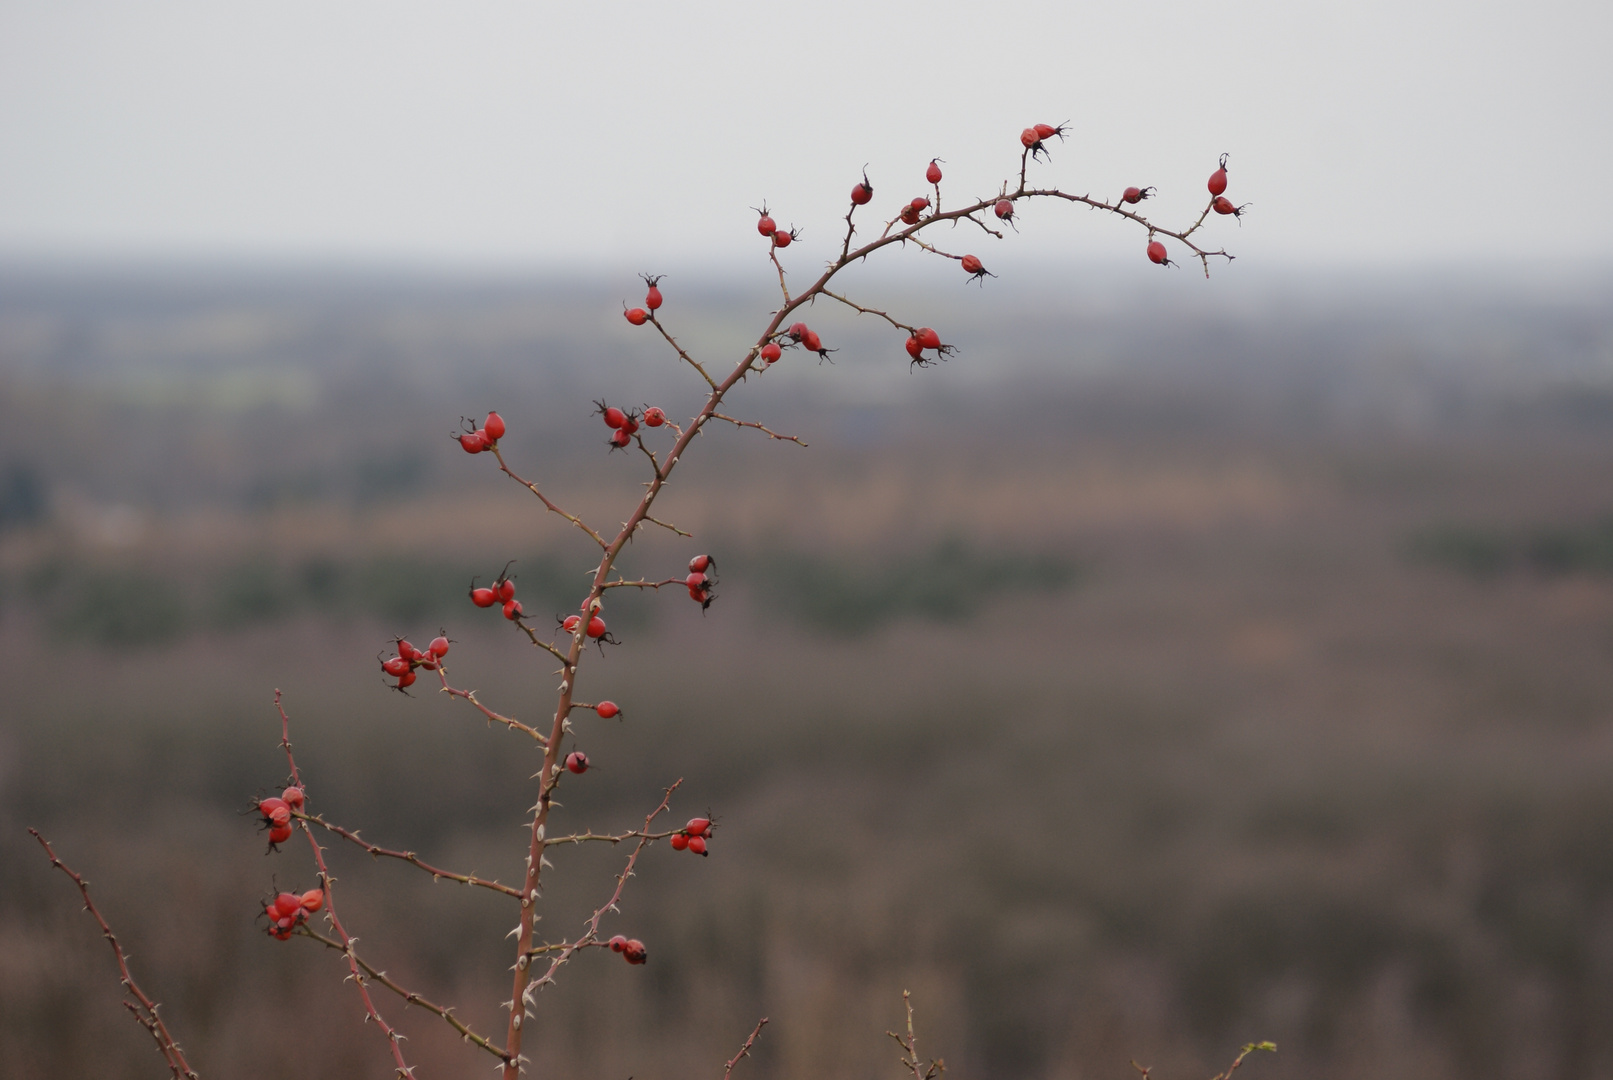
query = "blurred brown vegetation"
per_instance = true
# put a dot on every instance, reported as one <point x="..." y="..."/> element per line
<point x="1142" y="683"/>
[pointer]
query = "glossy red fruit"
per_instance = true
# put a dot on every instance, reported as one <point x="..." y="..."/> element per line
<point x="512" y="609"/>
<point x="396" y="666"/>
<point x="268" y="806"/>
<point x="1046" y="131"/>
<point x="483" y="597"/>
<point x="1156" y="252"/>
<point x="279" y="816"/>
<point x="406" y="679"/>
<point x="698" y="826"/>
<point x="811" y="340"/>
<point x="797" y="331"/>
<point x="652" y="299"/>
<point x="614" y="417"/>
<point x="1028" y="138"/>
<point x="697" y="593"/>
<point x="1223" y="205"/>
<point x="295" y="797"/>
<point x="438" y="647"/>
<point x="607" y="710"/>
<point x="695" y="581"/>
<point x="1136" y="195"/>
<point x="617" y="943"/>
<point x="862" y="192"/>
<point x="407" y="650"/>
<point x="620" y="439"/>
<point x="287" y="903"/>
<point x="571" y="623"/>
<point x="472" y="442"/>
<point x="929" y="338"/>
<point x="909" y="215"/>
<point x="933" y="173"/>
<point x="771" y="352"/>
<point x="1218" y="179"/>
<point x="596" y="627"/>
<point x="700" y="564"/>
<point x="279" y="834"/>
<point x="766" y="225"/>
<point x="654" y="417"/>
<point x="634" y="951"/>
<point x="506" y="589"/>
<point x="631" y="426"/>
<point x="313" y="899"/>
<point x="577" y="761"/>
<point x="280" y="935"/>
<point x="914" y="349"/>
<point x="637" y="316"/>
<point x="697" y="844"/>
<point x="494" y="426"/>
<point x="1004" y="209"/>
<point x="678" y="841"/>
<point x="972" y="265"/>
<point x="920" y="203"/>
<point x="781" y="238"/>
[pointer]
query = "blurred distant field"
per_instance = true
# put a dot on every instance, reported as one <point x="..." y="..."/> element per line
<point x="1146" y="681"/>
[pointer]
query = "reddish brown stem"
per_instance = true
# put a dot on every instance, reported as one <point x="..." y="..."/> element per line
<point x="327" y="884"/>
<point x="744" y="1051"/>
<point x="409" y="857"/>
<point x="143" y="1008"/>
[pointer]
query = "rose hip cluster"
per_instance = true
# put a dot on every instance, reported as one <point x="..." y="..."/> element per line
<point x="277" y="812"/>
<point x="289" y="910"/>
<point x="702" y="580"/>
<point x="1218" y="202"/>
<point x="401" y="666"/>
<point x="693" y="836"/>
<point x="483" y="438"/>
<point x="624" y="424"/>
<point x="502" y="591"/>
<point x="781" y="238"/>
<point x="632" y="949"/>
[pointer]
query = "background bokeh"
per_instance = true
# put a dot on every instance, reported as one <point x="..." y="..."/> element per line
<point x="1185" y="663"/>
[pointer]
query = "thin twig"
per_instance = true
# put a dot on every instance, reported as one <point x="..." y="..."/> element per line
<point x="143" y="1008"/>
<point x="470" y="696"/>
<point x="407" y="856"/>
<point x="447" y="1013"/>
<point x="327" y="885"/>
<point x="753" y="424"/>
<point x="744" y="1051"/>
<point x="691" y="361"/>
<point x="530" y="486"/>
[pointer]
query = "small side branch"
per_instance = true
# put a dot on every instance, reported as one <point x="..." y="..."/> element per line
<point x="142" y="1008"/>
<point x="327" y="885"/>
<point x="869" y="311"/>
<point x="621" y="583"/>
<point x="410" y="996"/>
<point x="530" y="486"/>
<point x="753" y="424"/>
<point x="667" y="525"/>
<point x="691" y="361"/>
<point x="744" y="1051"/>
<point x="493" y="717"/>
<point x="909" y="1045"/>
<point x="590" y="935"/>
<point x="609" y="838"/>
<point x="409" y="857"/>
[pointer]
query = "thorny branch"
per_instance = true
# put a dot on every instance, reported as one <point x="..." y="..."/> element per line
<point x="447" y="1013"/>
<point x="406" y="856"/>
<point x="470" y="696"/>
<point x="142" y="1007"/>
<point x="744" y="1051"/>
<point x="753" y="424"/>
<point x="1268" y="1047"/>
<point x="530" y="486"/>
<point x="327" y="885"/>
<point x="909" y="1045"/>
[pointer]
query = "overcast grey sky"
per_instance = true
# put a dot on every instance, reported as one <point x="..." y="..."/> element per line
<point x="586" y="135"/>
